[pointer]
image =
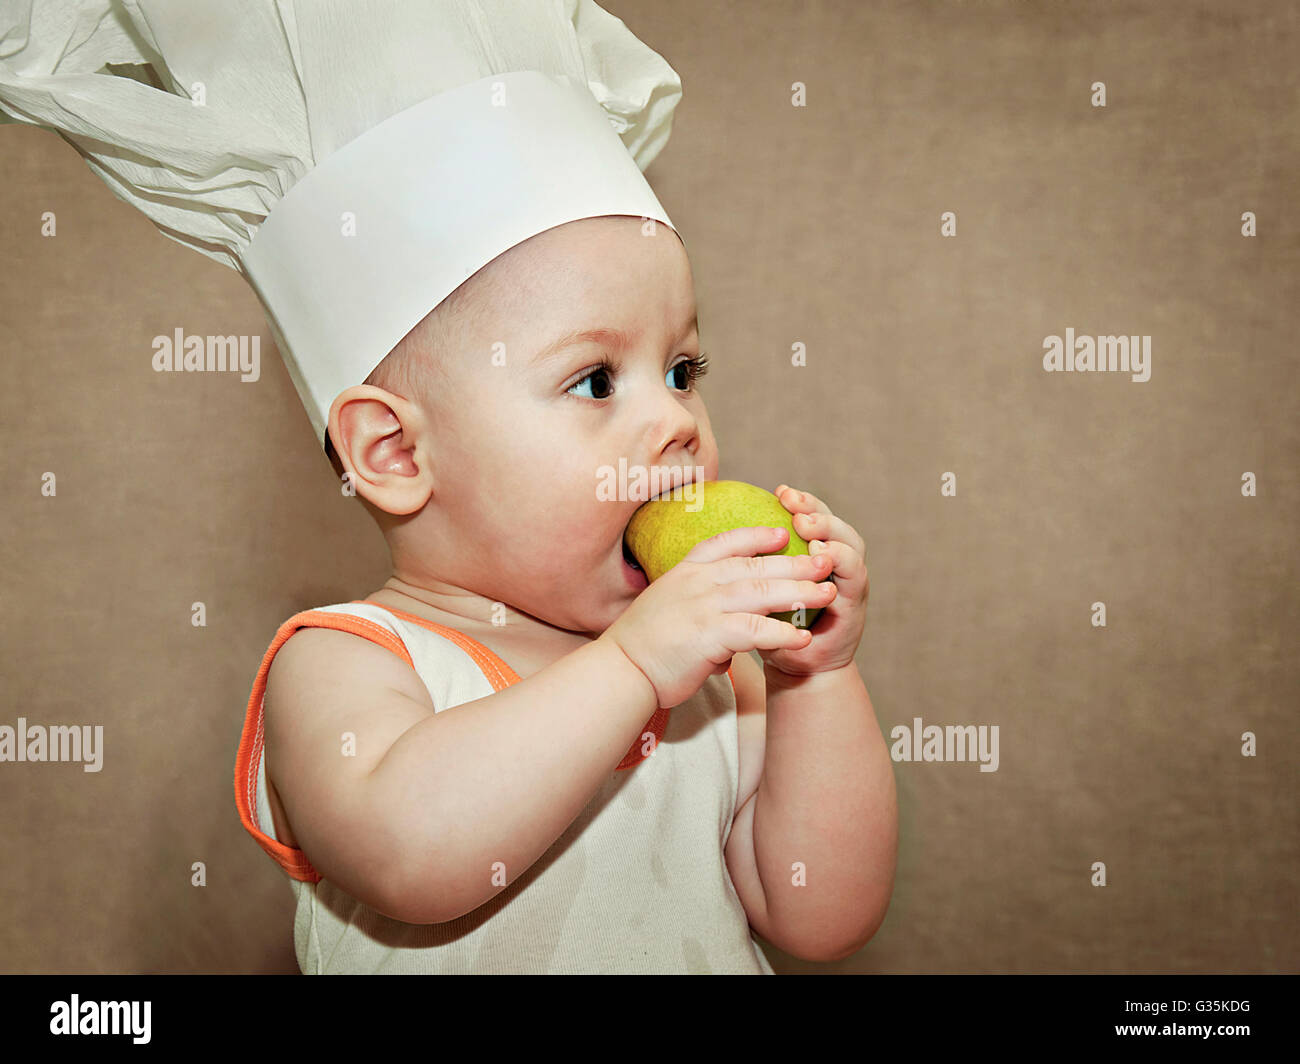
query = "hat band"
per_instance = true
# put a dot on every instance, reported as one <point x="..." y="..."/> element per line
<point x="385" y="228"/>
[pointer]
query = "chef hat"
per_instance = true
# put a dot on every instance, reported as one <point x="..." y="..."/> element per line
<point x="355" y="160"/>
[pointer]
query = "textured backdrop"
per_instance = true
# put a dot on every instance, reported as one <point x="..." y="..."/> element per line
<point x="1006" y="508"/>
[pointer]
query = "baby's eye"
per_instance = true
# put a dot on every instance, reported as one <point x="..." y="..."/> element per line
<point x="692" y="369"/>
<point x="681" y="377"/>
<point x="601" y="372"/>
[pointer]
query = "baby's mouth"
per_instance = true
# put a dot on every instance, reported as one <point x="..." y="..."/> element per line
<point x="627" y="557"/>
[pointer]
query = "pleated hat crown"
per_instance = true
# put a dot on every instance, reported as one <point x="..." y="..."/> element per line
<point x="354" y="160"/>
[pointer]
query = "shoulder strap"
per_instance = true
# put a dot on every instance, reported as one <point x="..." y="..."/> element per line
<point x="292" y="860"/>
<point x="497" y="672"/>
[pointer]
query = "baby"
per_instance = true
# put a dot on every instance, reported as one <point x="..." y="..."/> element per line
<point x="516" y="756"/>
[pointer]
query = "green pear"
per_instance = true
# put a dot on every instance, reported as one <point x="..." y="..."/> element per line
<point x="665" y="529"/>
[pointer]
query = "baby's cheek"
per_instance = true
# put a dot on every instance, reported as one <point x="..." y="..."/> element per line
<point x="584" y="528"/>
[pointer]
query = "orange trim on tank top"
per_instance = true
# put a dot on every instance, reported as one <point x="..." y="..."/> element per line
<point x="495" y="671"/>
<point x="291" y="859"/>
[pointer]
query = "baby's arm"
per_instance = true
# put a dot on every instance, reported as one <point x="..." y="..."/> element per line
<point x="414" y="822"/>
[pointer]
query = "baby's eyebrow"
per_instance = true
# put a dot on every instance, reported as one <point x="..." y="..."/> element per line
<point x="615" y="338"/>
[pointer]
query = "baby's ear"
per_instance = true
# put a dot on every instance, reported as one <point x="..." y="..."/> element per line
<point x="333" y="456"/>
<point x="383" y="441"/>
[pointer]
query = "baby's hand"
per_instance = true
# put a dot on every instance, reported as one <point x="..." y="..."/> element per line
<point x="713" y="604"/>
<point x="838" y="630"/>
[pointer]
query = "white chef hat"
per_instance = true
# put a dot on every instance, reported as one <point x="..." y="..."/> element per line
<point x="355" y="160"/>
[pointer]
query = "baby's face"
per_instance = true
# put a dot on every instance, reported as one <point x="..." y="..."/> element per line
<point x="526" y="433"/>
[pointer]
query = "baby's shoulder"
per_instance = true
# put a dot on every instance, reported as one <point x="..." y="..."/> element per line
<point x="327" y="691"/>
<point x="319" y="672"/>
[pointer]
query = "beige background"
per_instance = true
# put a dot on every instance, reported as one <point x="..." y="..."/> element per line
<point x="817" y="225"/>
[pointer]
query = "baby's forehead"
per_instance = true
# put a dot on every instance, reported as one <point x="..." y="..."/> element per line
<point x="546" y="287"/>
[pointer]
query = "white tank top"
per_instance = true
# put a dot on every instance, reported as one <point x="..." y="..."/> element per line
<point x="636" y="884"/>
